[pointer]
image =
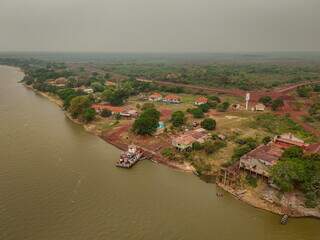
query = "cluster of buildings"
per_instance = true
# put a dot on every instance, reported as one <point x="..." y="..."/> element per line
<point x="260" y="160"/>
<point x="184" y="141"/>
<point x="171" y="98"/>
<point x="59" y="82"/>
<point x="99" y="107"/>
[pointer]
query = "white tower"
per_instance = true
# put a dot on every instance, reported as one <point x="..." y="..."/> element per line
<point x="247" y="100"/>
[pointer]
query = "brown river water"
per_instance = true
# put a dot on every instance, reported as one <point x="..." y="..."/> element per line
<point x="59" y="182"/>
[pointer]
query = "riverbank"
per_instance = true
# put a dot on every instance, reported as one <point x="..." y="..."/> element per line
<point x="250" y="199"/>
<point x="290" y="204"/>
<point x="91" y="128"/>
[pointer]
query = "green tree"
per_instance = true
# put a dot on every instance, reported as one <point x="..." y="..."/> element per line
<point x="177" y="118"/>
<point x="78" y="105"/>
<point x="208" y="124"/>
<point x="147" y="122"/>
<point x="97" y="87"/>
<point x="214" y="99"/>
<point x="89" y="114"/>
<point x="167" y="152"/>
<point x="293" y="152"/>
<point x="314" y="111"/>
<point x="285" y="173"/>
<point x="115" y="97"/>
<point x="197" y="113"/>
<point x="204" y="107"/>
<point x="266" y="100"/>
<point x="277" y="103"/>
<point x="223" y="107"/>
<point x="316" y="88"/>
<point x="304" y="91"/>
<point x="196" y="146"/>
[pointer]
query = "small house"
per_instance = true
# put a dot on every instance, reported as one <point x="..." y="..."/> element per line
<point x="172" y="99"/>
<point x="155" y="97"/>
<point x="260" y="107"/>
<point x="100" y="107"/>
<point x="60" y="81"/>
<point x="129" y="113"/>
<point x="88" y="90"/>
<point x="201" y="100"/>
<point x="185" y="141"/>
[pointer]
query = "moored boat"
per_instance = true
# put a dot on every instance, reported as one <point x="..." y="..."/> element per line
<point x="130" y="157"/>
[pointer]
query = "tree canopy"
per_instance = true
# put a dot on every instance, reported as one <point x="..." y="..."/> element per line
<point x="177" y="118"/>
<point x="78" y="105"/>
<point x="298" y="171"/>
<point x="147" y="122"/>
<point x="208" y="124"/>
<point x="266" y="100"/>
<point x="277" y="103"/>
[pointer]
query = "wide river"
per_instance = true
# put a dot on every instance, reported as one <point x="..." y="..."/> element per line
<point x="59" y="182"/>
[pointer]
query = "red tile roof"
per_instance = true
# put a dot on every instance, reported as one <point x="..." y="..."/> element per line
<point x="101" y="107"/>
<point x="269" y="153"/>
<point x="313" y="148"/>
<point x="155" y="95"/>
<point x="201" y="100"/>
<point x="172" y="97"/>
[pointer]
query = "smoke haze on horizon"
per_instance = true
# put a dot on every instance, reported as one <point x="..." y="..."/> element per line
<point x="159" y="25"/>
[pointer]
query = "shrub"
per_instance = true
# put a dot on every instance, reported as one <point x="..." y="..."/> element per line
<point x="106" y="113"/>
<point x="197" y="113"/>
<point x="266" y="140"/>
<point x="266" y="100"/>
<point x="208" y="124"/>
<point x="304" y="91"/>
<point x="204" y="107"/>
<point x="214" y="99"/>
<point x="196" y="146"/>
<point x="89" y="114"/>
<point x="277" y="103"/>
<point x="251" y="180"/>
<point x="177" y="118"/>
<point x="223" y="107"/>
<point x="167" y="152"/>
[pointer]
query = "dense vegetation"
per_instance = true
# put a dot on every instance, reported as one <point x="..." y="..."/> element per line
<point x="276" y="125"/>
<point x="244" y="76"/>
<point x="147" y="122"/>
<point x="177" y="118"/>
<point x="296" y="170"/>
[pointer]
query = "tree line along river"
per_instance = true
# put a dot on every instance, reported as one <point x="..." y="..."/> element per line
<point x="59" y="182"/>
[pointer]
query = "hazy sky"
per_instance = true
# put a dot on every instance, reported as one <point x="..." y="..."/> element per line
<point x="160" y="25"/>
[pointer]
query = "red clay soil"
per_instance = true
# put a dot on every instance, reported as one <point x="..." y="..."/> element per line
<point x="151" y="145"/>
<point x="255" y="95"/>
<point x="165" y="114"/>
<point x="297" y="117"/>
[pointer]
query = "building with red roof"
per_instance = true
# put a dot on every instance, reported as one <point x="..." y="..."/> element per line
<point x="155" y="97"/>
<point x="99" y="107"/>
<point x="172" y="99"/>
<point x="201" y="100"/>
<point x="261" y="159"/>
<point x="185" y="141"/>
